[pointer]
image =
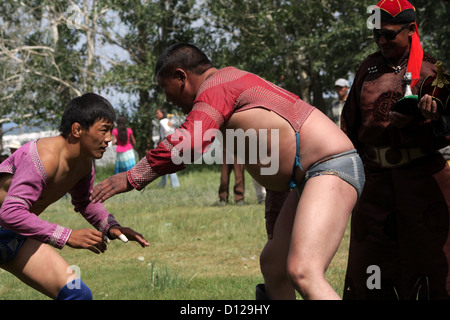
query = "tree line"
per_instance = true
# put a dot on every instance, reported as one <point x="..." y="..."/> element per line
<point x="54" y="50"/>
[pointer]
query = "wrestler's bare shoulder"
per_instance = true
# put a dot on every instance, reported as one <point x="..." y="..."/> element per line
<point x="50" y="151"/>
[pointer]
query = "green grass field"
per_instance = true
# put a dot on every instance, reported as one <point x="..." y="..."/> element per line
<point x="198" y="250"/>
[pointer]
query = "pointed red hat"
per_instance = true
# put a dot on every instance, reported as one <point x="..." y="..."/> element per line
<point x="402" y="11"/>
<point x="399" y="11"/>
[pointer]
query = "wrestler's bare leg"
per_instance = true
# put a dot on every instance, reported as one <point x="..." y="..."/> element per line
<point x="273" y="259"/>
<point x="41" y="267"/>
<point x="320" y="222"/>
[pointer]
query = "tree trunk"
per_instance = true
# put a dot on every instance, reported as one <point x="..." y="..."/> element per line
<point x="91" y="24"/>
<point x="317" y="91"/>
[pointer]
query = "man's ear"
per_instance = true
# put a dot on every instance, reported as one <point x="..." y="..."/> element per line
<point x="180" y="75"/>
<point x="76" y="129"/>
<point x="412" y="29"/>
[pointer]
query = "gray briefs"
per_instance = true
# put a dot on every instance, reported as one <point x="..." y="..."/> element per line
<point x="347" y="166"/>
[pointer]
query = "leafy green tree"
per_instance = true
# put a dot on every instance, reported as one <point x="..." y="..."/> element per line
<point x="150" y="26"/>
<point x="42" y="61"/>
<point x="302" y="45"/>
<point x="50" y="52"/>
<point x="434" y="28"/>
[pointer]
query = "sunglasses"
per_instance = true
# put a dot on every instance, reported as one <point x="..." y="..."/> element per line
<point x="387" y="33"/>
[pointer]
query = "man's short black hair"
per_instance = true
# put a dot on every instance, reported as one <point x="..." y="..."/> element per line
<point x="85" y="110"/>
<point x="182" y="55"/>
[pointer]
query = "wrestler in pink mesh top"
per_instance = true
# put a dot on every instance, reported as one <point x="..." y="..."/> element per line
<point x="19" y="213"/>
<point x="39" y="174"/>
<point x="227" y="91"/>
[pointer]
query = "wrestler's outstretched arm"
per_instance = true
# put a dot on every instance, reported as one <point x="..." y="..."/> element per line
<point x="130" y="234"/>
<point x="111" y="186"/>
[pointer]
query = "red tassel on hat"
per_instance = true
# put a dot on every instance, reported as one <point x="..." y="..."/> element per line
<point x="415" y="58"/>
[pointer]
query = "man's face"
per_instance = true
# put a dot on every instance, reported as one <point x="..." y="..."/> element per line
<point x="95" y="140"/>
<point x="393" y="48"/>
<point x="341" y="91"/>
<point x="177" y="90"/>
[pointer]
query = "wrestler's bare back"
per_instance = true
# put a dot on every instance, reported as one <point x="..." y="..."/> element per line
<point x="319" y="138"/>
<point x="62" y="173"/>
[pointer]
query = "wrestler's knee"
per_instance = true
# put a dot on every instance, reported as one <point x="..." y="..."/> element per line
<point x="264" y="262"/>
<point x="75" y="290"/>
<point x="272" y="267"/>
<point x="302" y="275"/>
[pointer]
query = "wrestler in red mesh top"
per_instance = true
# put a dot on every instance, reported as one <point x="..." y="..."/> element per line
<point x="226" y="92"/>
<point x="310" y="195"/>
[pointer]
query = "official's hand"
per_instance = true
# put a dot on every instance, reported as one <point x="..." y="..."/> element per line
<point x="116" y="232"/>
<point x="109" y="187"/>
<point x="87" y="239"/>
<point x="428" y="107"/>
<point x="398" y="119"/>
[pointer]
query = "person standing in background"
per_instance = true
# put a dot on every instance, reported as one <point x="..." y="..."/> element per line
<point x="230" y="164"/>
<point x="341" y="87"/>
<point x="124" y="139"/>
<point x="260" y="191"/>
<point x="165" y="129"/>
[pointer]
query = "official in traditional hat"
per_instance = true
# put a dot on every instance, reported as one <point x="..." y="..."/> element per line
<point x="400" y="225"/>
<point x="402" y="12"/>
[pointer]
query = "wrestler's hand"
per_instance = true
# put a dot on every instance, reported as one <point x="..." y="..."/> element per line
<point x="399" y="120"/>
<point x="115" y="184"/>
<point x="116" y="231"/>
<point x="428" y="108"/>
<point x="87" y="239"/>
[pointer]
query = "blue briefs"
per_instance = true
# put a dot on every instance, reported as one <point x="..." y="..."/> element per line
<point x="10" y="244"/>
